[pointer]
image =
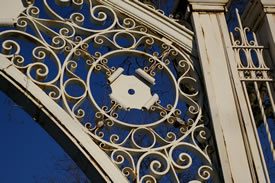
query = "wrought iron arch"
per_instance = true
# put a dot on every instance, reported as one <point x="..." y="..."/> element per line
<point x="63" y="98"/>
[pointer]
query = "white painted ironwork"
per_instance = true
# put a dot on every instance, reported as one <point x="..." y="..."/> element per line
<point x="119" y="80"/>
<point x="257" y="79"/>
<point x="161" y="24"/>
<point x="101" y="53"/>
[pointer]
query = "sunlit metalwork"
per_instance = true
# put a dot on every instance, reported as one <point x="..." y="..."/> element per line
<point x="257" y="79"/>
<point x="110" y="70"/>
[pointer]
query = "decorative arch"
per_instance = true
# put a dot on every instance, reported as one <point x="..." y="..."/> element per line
<point x="120" y="55"/>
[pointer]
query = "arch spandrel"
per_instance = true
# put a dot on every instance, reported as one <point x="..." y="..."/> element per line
<point x="67" y="71"/>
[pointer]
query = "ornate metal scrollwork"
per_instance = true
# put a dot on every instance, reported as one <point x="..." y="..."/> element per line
<point x="137" y="94"/>
<point x="257" y="79"/>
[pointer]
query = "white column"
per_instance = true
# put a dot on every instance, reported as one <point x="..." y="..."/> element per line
<point x="216" y="57"/>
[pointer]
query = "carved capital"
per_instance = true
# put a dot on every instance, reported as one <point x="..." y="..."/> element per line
<point x="208" y="5"/>
<point x="269" y="6"/>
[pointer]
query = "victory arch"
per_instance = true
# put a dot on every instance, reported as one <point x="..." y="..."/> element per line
<point x="137" y="93"/>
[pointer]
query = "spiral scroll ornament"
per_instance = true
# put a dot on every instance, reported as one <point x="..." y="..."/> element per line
<point x="137" y="94"/>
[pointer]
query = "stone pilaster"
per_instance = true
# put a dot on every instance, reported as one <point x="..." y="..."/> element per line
<point x="230" y="115"/>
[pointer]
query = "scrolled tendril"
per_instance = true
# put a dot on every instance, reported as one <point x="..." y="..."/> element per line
<point x="127" y="172"/>
<point x="114" y="138"/>
<point x="78" y="39"/>
<point x="80" y="114"/>
<point x="171" y="120"/>
<point x="39" y="54"/>
<point x="164" y="47"/>
<point x="166" y="61"/>
<point x="190" y="122"/>
<point x="158" y="167"/>
<point x="68" y="32"/>
<point x="54" y="92"/>
<point x="148" y="42"/>
<point x="102" y="13"/>
<point x="99" y="115"/>
<point x="141" y="28"/>
<point x="77" y="18"/>
<point x="183" y="129"/>
<point x="155" y="54"/>
<point x="33" y="11"/>
<point x="71" y="68"/>
<point x="170" y="136"/>
<point x="67" y="49"/>
<point x="10" y="47"/>
<point x="201" y="134"/>
<point x="204" y="173"/>
<point x="21" y="23"/>
<point x="193" y="110"/>
<point x="173" y="53"/>
<point x="148" y="179"/>
<point x="77" y="4"/>
<point x="99" y="133"/>
<point x="184" y="160"/>
<point x="163" y="114"/>
<point x="98" y="41"/>
<point x="160" y="67"/>
<point x="177" y="112"/>
<point x="58" y="44"/>
<point x="129" y="23"/>
<point x="18" y="61"/>
<point x="41" y="73"/>
<point x="109" y="123"/>
<point x="90" y="127"/>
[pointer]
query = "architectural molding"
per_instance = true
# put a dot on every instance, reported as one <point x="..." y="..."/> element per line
<point x="268" y="3"/>
<point x="208" y="5"/>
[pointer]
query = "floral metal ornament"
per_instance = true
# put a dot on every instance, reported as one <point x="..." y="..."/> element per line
<point x="257" y="79"/>
<point x="138" y="94"/>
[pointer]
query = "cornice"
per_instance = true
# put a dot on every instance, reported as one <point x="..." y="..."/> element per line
<point x="269" y="6"/>
<point x="268" y="3"/>
<point x="208" y="5"/>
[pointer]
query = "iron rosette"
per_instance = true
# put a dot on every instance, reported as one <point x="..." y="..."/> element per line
<point x="178" y="125"/>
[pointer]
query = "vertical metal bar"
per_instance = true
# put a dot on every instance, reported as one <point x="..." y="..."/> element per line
<point x="255" y="128"/>
<point x="264" y="119"/>
<point x="271" y="96"/>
